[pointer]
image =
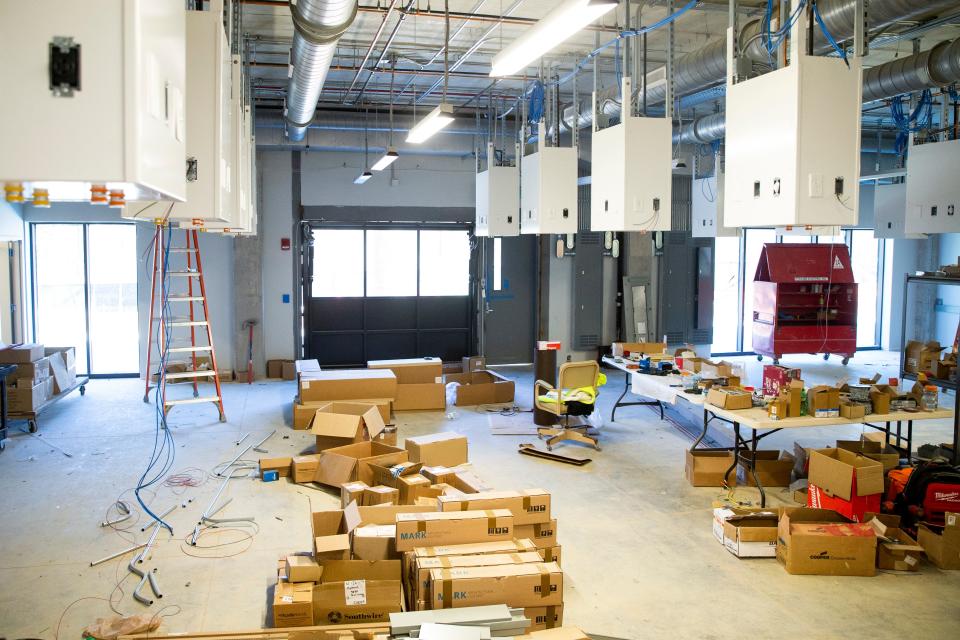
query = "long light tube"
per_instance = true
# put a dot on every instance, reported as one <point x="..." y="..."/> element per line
<point x="363" y="177"/>
<point x="432" y="123"/>
<point x="554" y="28"/>
<point x="385" y="160"/>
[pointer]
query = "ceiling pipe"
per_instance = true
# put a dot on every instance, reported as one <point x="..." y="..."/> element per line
<point x="373" y="44"/>
<point x="936" y="67"/>
<point x="353" y="121"/>
<point x="708" y="65"/>
<point x="318" y="26"/>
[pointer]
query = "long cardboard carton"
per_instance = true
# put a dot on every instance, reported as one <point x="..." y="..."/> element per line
<point x="530" y="506"/>
<point x="419" y="576"/>
<point x="445" y="449"/>
<point x="518" y="585"/>
<point x="544" y="617"/>
<point x="481" y="387"/>
<point x="438" y="528"/>
<point x="543" y="534"/>
<point x="348" y="384"/>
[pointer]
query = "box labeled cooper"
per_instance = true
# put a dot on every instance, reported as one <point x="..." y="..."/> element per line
<point x="439" y="528"/>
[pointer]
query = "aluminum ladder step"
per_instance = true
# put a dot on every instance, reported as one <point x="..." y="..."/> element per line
<point x="172" y="403"/>
<point x="183" y="375"/>
<point x="182" y="250"/>
<point x="188" y="323"/>
<point x="184" y="298"/>
<point x="185" y="274"/>
<point x="193" y="349"/>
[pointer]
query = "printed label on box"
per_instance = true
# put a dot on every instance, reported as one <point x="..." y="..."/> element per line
<point x="287" y="599"/>
<point x="355" y="592"/>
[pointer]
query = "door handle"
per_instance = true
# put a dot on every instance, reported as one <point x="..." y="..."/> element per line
<point x="487" y="308"/>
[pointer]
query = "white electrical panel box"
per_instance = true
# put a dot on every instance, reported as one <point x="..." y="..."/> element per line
<point x="933" y="190"/>
<point x="707" y="209"/>
<point x="548" y="191"/>
<point x="793" y="145"/>
<point x="94" y="96"/>
<point x="632" y="178"/>
<point x="498" y="202"/>
<point x="890" y="210"/>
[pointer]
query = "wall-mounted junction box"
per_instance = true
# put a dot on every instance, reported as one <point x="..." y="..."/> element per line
<point x="707" y="219"/>
<point x="95" y="96"/>
<point x="548" y="191"/>
<point x="933" y="191"/>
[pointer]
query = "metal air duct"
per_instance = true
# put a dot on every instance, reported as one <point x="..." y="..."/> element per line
<point x="318" y="26"/>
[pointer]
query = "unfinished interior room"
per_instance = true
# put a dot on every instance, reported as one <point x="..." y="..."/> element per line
<point x="479" y="319"/>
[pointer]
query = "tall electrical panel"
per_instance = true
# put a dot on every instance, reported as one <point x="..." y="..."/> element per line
<point x="793" y="145"/>
<point x="632" y="181"/>
<point x="548" y="191"/>
<point x="498" y="199"/>
<point x="95" y="98"/>
<point x="707" y="209"/>
<point x="933" y="190"/>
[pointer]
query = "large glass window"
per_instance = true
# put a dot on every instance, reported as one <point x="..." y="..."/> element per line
<point x="391" y="262"/>
<point x="444" y="263"/>
<point x="338" y="263"/>
<point x="755" y="239"/>
<point x="866" y="254"/>
<point x="726" y="296"/>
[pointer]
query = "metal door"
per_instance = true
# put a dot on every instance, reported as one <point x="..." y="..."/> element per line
<point x="509" y="299"/>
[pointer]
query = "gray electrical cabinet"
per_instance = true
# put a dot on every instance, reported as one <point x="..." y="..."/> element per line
<point x="685" y="285"/>
<point x="588" y="291"/>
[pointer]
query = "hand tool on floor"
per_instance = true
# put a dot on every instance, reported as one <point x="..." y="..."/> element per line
<point x="249" y="324"/>
<point x="257" y="448"/>
<point x="530" y="450"/>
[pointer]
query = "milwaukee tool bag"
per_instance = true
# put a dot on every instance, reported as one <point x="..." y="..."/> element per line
<point x="932" y="489"/>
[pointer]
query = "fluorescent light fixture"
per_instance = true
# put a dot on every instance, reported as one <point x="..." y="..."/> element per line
<point x="435" y="121"/>
<point x="363" y="177"/>
<point x="557" y="26"/>
<point x="386" y="160"/>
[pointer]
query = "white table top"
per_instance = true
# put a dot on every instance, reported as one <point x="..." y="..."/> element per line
<point x="757" y="418"/>
<point x="667" y="389"/>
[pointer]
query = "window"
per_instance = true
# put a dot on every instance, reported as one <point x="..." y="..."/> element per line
<point x="391" y="262"/>
<point x="337" y="263"/>
<point x="755" y="239"/>
<point x="497" y="265"/>
<point x="726" y="296"/>
<point x="380" y="263"/>
<point x="866" y="256"/>
<point x="444" y="263"/>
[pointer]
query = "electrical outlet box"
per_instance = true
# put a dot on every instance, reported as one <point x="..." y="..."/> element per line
<point x="793" y="146"/>
<point x="933" y="192"/>
<point x="95" y="95"/>
<point x="890" y="212"/>
<point x="498" y="202"/>
<point x="707" y="220"/>
<point x="548" y="191"/>
<point x="632" y="176"/>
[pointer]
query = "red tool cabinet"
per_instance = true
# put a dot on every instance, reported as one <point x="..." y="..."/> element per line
<point x="804" y="301"/>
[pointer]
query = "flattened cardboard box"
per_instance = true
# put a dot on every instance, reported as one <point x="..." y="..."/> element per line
<point x="708" y="468"/>
<point x="437" y="528"/>
<point x="528" y="507"/>
<point x="420" y="575"/>
<point x="412" y="370"/>
<point x="445" y="449"/>
<point x="303" y="412"/>
<point x="500" y="546"/>
<point x="481" y="387"/>
<point x="544" y="617"/>
<point x="348" y="384"/>
<point x="352" y="462"/>
<point x="292" y="604"/>
<point x="943" y="549"/>
<point x="337" y="424"/>
<point x="823" y="542"/>
<point x="518" y="585"/>
<point x="543" y="534"/>
<point x="356" y="601"/>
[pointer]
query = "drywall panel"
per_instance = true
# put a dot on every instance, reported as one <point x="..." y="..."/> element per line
<point x="274" y="174"/>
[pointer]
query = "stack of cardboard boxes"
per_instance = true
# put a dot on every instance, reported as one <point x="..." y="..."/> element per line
<point x="925" y="357"/>
<point x="419" y="383"/>
<point x="41" y="374"/>
<point x="316" y="388"/>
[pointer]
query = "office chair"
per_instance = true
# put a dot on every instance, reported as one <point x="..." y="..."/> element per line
<point x="574" y="395"/>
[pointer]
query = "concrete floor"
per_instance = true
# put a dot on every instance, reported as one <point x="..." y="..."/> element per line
<point x="639" y="557"/>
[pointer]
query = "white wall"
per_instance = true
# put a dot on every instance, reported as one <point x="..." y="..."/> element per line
<point x="948" y="296"/>
<point x="216" y="254"/>
<point x="11" y="221"/>
<point x="276" y="222"/>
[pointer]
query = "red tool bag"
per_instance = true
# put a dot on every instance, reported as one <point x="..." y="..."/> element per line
<point x="932" y="489"/>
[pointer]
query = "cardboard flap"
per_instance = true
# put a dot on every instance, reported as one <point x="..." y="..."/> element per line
<point x="373" y="421"/>
<point x="336" y="425"/>
<point x="351" y="516"/>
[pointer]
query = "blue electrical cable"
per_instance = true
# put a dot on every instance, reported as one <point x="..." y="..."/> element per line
<point x="537" y="98"/>
<point x="920" y="119"/>
<point x="826" y="34"/>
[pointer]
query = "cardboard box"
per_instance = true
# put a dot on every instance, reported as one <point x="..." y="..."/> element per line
<point x="691" y="364"/>
<point x="729" y="398"/>
<point x="543" y="534"/>
<point x="331" y="532"/>
<point x="446" y="449"/>
<point x="844" y="473"/>
<point x="776" y="378"/>
<point x="947" y="367"/>
<point x="942" y="548"/>
<point x="779" y="408"/>
<point x="852" y="410"/>
<point x="873" y="449"/>
<point x="752" y="535"/>
<point x="794" y="397"/>
<point x="380" y="495"/>
<point x="518" y="585"/>
<point x="528" y="507"/>
<point x="413" y="487"/>
<point x="896" y="550"/>
<point x="552" y="554"/>
<point x="706" y="467"/>
<point x="336" y="424"/>
<point x="299" y="568"/>
<point x="419" y="583"/>
<point x="288" y="370"/>
<point x="352" y="492"/>
<point x="855" y="508"/>
<point x="437" y="528"/>
<point x="722" y="369"/>
<point x="21" y="353"/>
<point x="34" y="372"/>
<point x="720" y="515"/>
<point x="922" y="356"/>
<point x="473" y="363"/>
<point x="280" y="465"/>
<point x="823" y="401"/>
<point x="544" y="617"/>
<point x="880" y="397"/>
<point x="560" y="633"/>
<point x="620" y="349"/>
<point x="274" y="368"/>
<point x="356" y="601"/>
<point x="292" y="604"/>
<point x="348" y="384"/>
<point x="427" y="396"/>
<point x="823" y="542"/>
<point x="481" y="387"/>
<point x="375" y="538"/>
<point x="412" y="370"/>
<point x="304" y="468"/>
<point x="28" y="399"/>
<point x="468" y="482"/>
<point x="343" y="570"/>
<point x="303" y="413"/>
<point x="352" y="462"/>
<point x="773" y="468"/>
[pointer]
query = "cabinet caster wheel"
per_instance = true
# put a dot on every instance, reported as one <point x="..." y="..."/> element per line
<point x="845" y="361"/>
<point x="83" y="391"/>
<point x="759" y="358"/>
<point x="223" y="418"/>
<point x="32" y="426"/>
<point x="776" y="361"/>
<point x="826" y="356"/>
<point x="549" y="448"/>
<point x="146" y="399"/>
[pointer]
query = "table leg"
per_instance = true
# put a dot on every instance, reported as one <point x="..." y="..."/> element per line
<point x="899" y="437"/>
<point x="736" y="451"/>
<point x="660" y="404"/>
<point x="886" y="431"/>
<point x="753" y="468"/>
<point x="909" y="441"/>
<point x="703" y="434"/>
<point x="626" y="387"/>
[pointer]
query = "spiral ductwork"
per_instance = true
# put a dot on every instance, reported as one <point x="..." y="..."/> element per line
<point x="318" y="26"/>
<point x="708" y="65"/>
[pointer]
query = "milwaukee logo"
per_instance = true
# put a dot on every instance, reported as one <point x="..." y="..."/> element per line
<point x="416" y="535"/>
<point x="953" y="496"/>
<point x="496" y="531"/>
